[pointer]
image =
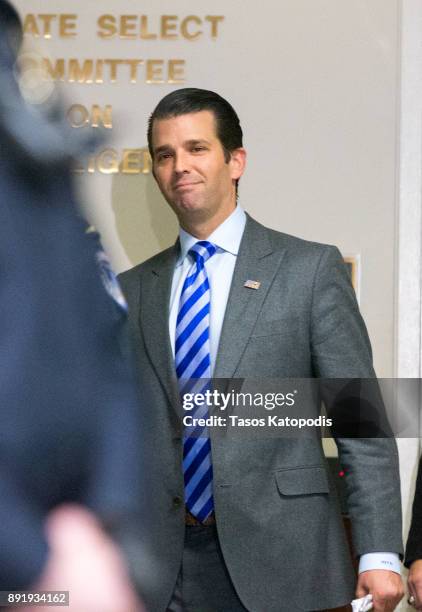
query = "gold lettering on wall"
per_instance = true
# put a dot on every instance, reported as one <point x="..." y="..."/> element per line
<point x="107" y="26"/>
<point x="79" y="116"/>
<point x="169" y="27"/>
<point x="102" y="116"/>
<point x="110" y="70"/>
<point x="165" y="27"/>
<point x="215" y="20"/>
<point x="185" y="29"/>
<point x="99" y="71"/>
<point x="108" y="161"/>
<point x="54" y="72"/>
<point x="46" y="24"/>
<point x="176" y="71"/>
<point x="144" y="29"/>
<point x="91" y="166"/>
<point x="80" y="73"/>
<point x="136" y="161"/>
<point x="133" y="64"/>
<point x="155" y="71"/>
<point x="113" y="63"/>
<point x="127" y="26"/>
<point x="111" y="161"/>
<point x="30" y="26"/>
<point x="67" y="26"/>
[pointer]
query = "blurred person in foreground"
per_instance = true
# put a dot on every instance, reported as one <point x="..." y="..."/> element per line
<point x="68" y="434"/>
<point x="413" y="556"/>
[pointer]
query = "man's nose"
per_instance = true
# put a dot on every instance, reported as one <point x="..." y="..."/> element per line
<point x="181" y="162"/>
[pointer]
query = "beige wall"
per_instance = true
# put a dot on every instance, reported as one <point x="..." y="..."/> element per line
<point x="315" y="85"/>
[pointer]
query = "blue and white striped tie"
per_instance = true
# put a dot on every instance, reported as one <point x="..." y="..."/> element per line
<point x="193" y="368"/>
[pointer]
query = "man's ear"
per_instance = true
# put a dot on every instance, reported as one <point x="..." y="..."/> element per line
<point x="237" y="162"/>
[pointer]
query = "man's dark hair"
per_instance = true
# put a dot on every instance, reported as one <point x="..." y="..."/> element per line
<point x="10" y="25"/>
<point x="192" y="100"/>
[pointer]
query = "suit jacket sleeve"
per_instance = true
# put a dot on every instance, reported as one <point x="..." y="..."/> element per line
<point x="341" y="356"/>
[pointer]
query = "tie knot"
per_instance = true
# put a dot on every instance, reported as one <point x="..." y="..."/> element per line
<point x="202" y="250"/>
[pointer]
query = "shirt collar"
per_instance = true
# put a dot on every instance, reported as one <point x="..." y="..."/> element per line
<point x="226" y="237"/>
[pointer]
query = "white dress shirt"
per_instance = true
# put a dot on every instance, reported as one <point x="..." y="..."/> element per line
<point x="220" y="268"/>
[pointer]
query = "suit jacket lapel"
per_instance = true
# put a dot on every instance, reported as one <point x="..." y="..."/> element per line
<point x="256" y="261"/>
<point x="154" y="320"/>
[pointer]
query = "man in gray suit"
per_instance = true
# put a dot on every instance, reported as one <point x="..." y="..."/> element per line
<point x="250" y="523"/>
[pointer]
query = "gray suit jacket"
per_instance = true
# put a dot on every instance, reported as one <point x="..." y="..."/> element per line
<point x="277" y="512"/>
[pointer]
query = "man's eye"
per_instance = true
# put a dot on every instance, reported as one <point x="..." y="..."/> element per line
<point x="162" y="156"/>
<point x="198" y="149"/>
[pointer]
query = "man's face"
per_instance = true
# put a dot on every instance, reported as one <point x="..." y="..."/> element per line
<point x="190" y="168"/>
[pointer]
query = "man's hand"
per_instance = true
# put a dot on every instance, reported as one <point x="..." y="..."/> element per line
<point x="414" y="583"/>
<point x="386" y="588"/>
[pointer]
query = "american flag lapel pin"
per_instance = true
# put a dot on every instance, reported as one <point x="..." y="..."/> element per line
<point x="252" y="284"/>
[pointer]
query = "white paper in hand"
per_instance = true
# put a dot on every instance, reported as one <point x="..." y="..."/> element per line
<point x="364" y="604"/>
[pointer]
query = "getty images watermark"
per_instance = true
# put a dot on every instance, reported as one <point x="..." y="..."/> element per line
<point x="210" y="400"/>
<point x="328" y="407"/>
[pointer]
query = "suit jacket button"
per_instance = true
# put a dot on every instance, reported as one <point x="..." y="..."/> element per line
<point x="177" y="501"/>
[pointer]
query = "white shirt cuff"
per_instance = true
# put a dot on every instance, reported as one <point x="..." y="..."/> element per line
<point x="379" y="560"/>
